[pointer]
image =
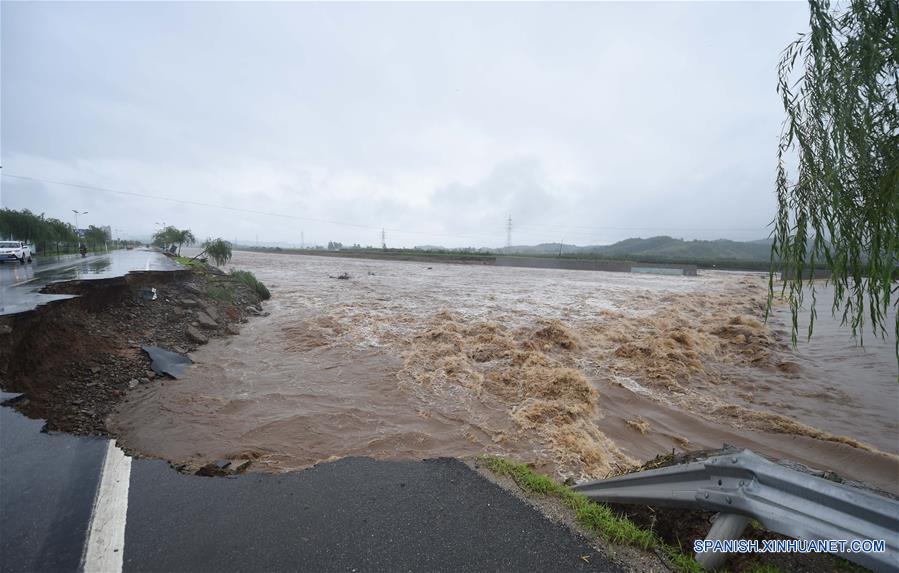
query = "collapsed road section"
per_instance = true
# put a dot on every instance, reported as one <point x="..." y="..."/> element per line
<point x="77" y="503"/>
<point x="356" y="514"/>
<point x="77" y="347"/>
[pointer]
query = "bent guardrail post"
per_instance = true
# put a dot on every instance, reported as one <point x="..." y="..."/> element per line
<point x="783" y="500"/>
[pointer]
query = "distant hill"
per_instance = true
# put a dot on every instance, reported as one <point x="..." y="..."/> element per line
<point x="660" y="248"/>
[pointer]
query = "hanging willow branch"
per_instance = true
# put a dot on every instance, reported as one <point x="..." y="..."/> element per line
<point x="838" y="163"/>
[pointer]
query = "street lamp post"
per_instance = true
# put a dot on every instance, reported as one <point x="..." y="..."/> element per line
<point x="77" y="229"/>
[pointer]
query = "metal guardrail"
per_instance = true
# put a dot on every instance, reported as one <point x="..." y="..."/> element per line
<point x="743" y="485"/>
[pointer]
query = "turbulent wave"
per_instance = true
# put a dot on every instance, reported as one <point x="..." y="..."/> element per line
<point x="527" y="370"/>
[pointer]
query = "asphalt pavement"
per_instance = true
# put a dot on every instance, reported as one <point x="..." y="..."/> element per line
<point x="59" y="512"/>
<point x="20" y="284"/>
<point x="47" y="489"/>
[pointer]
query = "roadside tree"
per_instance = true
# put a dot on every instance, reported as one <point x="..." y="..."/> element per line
<point x="218" y="250"/>
<point x="838" y="163"/>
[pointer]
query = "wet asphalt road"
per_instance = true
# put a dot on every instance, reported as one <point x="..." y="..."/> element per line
<point x="355" y="514"/>
<point x="20" y="284"/>
<point x="47" y="488"/>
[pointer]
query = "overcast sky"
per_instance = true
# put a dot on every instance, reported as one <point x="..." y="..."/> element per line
<point x="586" y="122"/>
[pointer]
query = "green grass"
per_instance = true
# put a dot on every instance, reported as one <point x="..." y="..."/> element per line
<point x="596" y="518"/>
<point x="190" y="263"/>
<point x="221" y="292"/>
<point x="249" y="279"/>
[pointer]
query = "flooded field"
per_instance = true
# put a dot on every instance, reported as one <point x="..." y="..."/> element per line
<point x="583" y="373"/>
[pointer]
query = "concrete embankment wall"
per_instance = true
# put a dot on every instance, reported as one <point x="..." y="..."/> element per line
<point x="596" y="265"/>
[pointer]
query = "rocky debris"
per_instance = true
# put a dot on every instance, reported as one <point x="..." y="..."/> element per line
<point x="341" y="277"/>
<point x="216" y="468"/>
<point x="220" y="468"/>
<point x="195" y="335"/>
<point x="210" y="309"/>
<point x="253" y="310"/>
<point x="5" y="329"/>
<point x="192" y="289"/>
<point x="232" y="330"/>
<point x="188" y="302"/>
<point x="205" y="320"/>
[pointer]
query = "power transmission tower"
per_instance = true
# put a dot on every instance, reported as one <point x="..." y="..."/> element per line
<point x="383" y="239"/>
<point x="509" y="232"/>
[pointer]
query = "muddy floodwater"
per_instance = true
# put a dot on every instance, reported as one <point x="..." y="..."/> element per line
<point x="583" y="373"/>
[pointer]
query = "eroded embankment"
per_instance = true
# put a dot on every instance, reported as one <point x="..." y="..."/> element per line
<point x="74" y="359"/>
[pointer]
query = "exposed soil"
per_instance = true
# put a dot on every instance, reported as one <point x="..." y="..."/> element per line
<point x="75" y="359"/>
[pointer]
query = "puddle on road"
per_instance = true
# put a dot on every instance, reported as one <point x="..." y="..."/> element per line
<point x="403" y="361"/>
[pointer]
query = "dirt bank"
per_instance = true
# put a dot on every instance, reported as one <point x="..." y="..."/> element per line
<point x="75" y="359"/>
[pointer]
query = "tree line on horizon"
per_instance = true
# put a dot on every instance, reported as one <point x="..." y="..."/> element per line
<point x="47" y="234"/>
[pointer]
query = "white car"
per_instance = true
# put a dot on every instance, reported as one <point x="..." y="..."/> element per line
<point x="17" y="250"/>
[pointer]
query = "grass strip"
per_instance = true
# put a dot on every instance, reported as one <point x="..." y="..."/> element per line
<point x="596" y="518"/>
<point x="191" y="263"/>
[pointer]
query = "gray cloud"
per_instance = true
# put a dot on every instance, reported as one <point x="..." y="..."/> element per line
<point x="591" y="122"/>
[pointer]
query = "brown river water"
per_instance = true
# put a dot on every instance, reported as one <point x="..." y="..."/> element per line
<point x="582" y="373"/>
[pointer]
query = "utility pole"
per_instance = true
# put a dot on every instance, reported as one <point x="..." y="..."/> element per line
<point x="302" y="241"/>
<point x="383" y="239"/>
<point x="509" y="232"/>
<point x="561" y="244"/>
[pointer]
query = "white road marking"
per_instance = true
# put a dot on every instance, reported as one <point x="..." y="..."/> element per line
<point x="106" y="534"/>
<point x="147" y="266"/>
<point x="23" y="282"/>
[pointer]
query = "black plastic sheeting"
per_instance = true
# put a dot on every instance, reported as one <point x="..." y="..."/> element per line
<point x="166" y="362"/>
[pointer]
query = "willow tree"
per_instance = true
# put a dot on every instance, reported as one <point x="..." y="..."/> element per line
<point x="184" y="237"/>
<point x="218" y="249"/>
<point x="838" y="163"/>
